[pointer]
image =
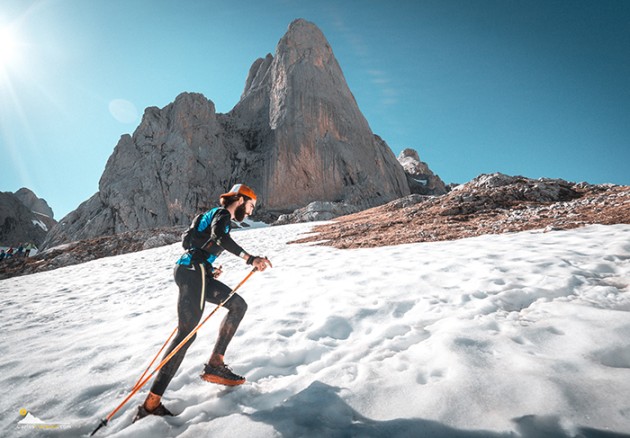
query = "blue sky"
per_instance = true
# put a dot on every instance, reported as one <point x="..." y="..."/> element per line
<point x="534" y="88"/>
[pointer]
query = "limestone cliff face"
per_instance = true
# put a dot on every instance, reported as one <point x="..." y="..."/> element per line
<point x="319" y="146"/>
<point x="296" y="136"/>
<point x="175" y="164"/>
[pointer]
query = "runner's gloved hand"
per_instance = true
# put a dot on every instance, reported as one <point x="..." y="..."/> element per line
<point x="260" y="263"/>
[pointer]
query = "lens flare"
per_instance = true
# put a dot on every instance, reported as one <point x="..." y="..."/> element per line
<point x="123" y="111"/>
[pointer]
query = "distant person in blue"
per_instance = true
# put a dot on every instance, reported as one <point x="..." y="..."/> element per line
<point x="196" y="278"/>
<point x="3" y="255"/>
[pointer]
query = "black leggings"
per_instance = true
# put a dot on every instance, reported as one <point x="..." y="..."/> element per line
<point x="189" y="310"/>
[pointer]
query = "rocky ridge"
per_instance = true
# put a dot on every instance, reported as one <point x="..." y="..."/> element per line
<point x="90" y="249"/>
<point x="489" y="204"/>
<point x="317" y="211"/>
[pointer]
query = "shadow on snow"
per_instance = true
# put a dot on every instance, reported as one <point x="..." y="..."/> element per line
<point x="319" y="411"/>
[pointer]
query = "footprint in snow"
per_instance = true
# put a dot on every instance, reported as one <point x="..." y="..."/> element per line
<point x="335" y="327"/>
<point x="424" y="378"/>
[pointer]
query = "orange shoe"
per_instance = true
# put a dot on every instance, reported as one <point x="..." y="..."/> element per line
<point x="221" y="375"/>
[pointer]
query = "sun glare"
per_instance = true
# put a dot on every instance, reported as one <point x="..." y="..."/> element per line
<point x="8" y="47"/>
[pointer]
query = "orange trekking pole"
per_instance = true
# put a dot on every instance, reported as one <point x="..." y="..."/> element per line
<point x="143" y="382"/>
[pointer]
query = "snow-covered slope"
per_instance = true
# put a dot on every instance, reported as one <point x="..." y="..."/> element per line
<point x="524" y="333"/>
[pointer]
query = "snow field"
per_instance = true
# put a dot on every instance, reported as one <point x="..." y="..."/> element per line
<point x="517" y="333"/>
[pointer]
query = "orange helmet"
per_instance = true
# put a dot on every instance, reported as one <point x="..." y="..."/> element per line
<point x="240" y="189"/>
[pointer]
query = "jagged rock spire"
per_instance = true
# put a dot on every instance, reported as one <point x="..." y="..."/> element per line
<point x="296" y="136"/>
<point x="320" y="145"/>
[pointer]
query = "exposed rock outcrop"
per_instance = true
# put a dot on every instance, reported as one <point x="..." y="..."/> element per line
<point x="18" y="224"/>
<point x="296" y="136"/>
<point x="34" y="203"/>
<point x="82" y="251"/>
<point x="421" y="179"/>
<point x="489" y="204"/>
<point x="317" y="211"/>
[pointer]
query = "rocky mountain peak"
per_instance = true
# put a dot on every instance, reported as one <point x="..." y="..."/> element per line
<point x="299" y="108"/>
<point x="296" y="136"/>
<point x="257" y="76"/>
<point x="33" y="202"/>
<point x="305" y="73"/>
<point x="304" y="42"/>
<point x="410" y="160"/>
<point x="421" y="179"/>
<point x="24" y="218"/>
